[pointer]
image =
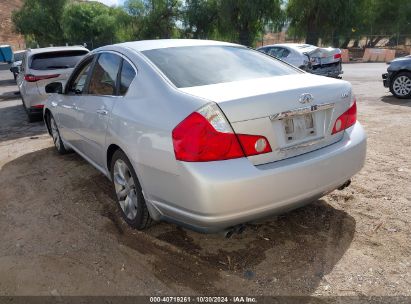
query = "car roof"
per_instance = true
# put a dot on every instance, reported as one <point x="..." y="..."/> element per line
<point x="56" y="49"/>
<point x="145" y="45"/>
<point x="295" y="46"/>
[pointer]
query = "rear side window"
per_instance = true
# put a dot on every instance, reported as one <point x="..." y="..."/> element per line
<point x="126" y="77"/>
<point x="279" y="52"/>
<point x="104" y="76"/>
<point x="56" y="60"/>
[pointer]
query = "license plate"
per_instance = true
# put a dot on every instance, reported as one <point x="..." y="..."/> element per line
<point x="299" y="127"/>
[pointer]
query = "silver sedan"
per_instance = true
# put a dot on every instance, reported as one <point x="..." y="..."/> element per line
<point x="206" y="134"/>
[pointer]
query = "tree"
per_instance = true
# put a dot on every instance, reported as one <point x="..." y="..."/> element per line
<point x="90" y="22"/>
<point x="335" y="21"/>
<point x="154" y="18"/>
<point x="200" y="18"/>
<point x="244" y="19"/>
<point x="386" y="18"/>
<point x="39" y="21"/>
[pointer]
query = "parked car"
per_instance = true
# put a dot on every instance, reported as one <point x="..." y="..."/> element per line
<point x="310" y="58"/>
<point x="42" y="66"/>
<point x="16" y="64"/>
<point x="206" y="134"/>
<point x="398" y="78"/>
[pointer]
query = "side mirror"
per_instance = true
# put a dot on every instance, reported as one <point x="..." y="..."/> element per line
<point x="54" y="87"/>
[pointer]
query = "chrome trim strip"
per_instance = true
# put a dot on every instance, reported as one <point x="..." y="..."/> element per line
<point x="304" y="144"/>
<point x="300" y="111"/>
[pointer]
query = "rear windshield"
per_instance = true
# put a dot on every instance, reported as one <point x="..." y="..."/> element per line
<point x="56" y="60"/>
<point x="204" y="65"/>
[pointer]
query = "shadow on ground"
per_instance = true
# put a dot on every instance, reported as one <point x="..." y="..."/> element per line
<point x="14" y="124"/>
<point x="287" y="254"/>
<point x="7" y="82"/>
<point x="10" y="95"/>
<point x="396" y="101"/>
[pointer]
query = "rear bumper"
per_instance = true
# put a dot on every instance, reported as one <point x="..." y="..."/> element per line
<point x="329" y="70"/>
<point x="212" y="196"/>
<point x="32" y="101"/>
<point x="35" y="111"/>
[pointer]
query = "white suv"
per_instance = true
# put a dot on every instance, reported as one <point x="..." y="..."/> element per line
<point x="40" y="67"/>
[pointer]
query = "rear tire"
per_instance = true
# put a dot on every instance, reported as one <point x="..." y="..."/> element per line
<point x="55" y="134"/>
<point x="129" y="195"/>
<point x="400" y="85"/>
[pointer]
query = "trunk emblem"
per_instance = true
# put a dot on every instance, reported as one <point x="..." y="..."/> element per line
<point x="306" y="98"/>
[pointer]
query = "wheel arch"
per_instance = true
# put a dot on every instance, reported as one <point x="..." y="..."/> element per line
<point x="395" y="73"/>
<point x="46" y="119"/>
<point x="109" y="155"/>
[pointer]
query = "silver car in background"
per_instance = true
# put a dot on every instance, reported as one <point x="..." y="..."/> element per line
<point x="310" y="58"/>
<point x="40" y="67"/>
<point x="206" y="134"/>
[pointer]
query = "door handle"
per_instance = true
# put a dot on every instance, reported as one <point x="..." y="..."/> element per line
<point x="102" y="112"/>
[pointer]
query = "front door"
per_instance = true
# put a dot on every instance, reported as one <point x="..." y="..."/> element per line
<point x="95" y="107"/>
<point x="68" y="104"/>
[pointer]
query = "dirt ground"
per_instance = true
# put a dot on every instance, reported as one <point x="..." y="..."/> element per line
<point x="61" y="233"/>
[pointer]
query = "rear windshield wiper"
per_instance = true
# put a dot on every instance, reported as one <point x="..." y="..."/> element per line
<point x="51" y="67"/>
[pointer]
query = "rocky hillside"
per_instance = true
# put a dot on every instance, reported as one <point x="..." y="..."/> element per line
<point x="7" y="36"/>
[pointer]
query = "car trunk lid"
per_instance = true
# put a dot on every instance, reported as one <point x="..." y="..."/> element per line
<point x="295" y="112"/>
<point x="321" y="56"/>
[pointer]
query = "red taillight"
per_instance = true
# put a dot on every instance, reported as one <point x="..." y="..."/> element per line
<point x="337" y="56"/>
<point x="254" y="144"/>
<point x="346" y="120"/>
<point x="205" y="135"/>
<point x="195" y="139"/>
<point x="39" y="106"/>
<point x="34" y="78"/>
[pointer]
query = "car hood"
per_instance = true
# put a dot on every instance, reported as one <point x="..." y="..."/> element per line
<point x="401" y="59"/>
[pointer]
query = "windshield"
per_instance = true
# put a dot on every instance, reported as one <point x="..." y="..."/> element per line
<point x="56" y="60"/>
<point x="198" y="66"/>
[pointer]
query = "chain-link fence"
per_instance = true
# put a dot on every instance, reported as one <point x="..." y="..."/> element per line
<point x="397" y="41"/>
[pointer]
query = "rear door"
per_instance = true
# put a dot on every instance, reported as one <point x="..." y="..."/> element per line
<point x="95" y="108"/>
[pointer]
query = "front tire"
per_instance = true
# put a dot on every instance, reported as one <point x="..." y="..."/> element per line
<point x="130" y="198"/>
<point x="58" y="143"/>
<point x="400" y="85"/>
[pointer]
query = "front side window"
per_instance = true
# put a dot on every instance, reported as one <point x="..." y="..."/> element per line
<point x="205" y="65"/>
<point x="104" y="76"/>
<point x="79" y="82"/>
<point x="126" y="77"/>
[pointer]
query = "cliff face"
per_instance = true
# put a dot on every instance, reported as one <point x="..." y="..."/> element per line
<point x="7" y="35"/>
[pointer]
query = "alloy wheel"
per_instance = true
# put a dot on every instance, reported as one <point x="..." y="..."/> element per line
<point x="125" y="189"/>
<point x="55" y="133"/>
<point x="402" y="85"/>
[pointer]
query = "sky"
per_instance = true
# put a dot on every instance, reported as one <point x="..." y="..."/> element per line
<point x="112" y="2"/>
